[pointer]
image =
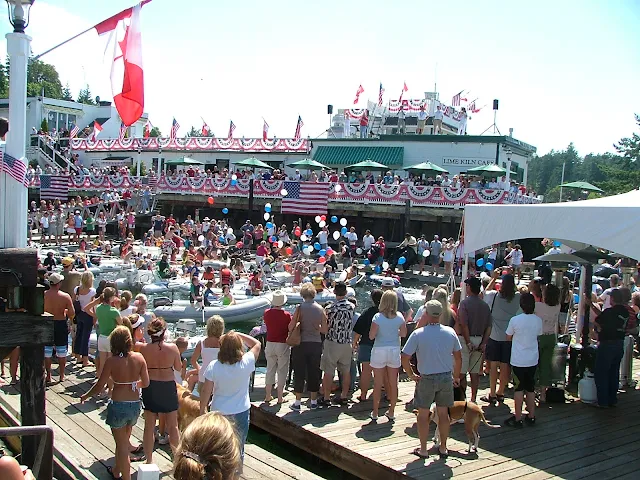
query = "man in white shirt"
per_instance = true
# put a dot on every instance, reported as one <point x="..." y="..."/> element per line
<point x="614" y="281"/>
<point x="323" y="237"/>
<point x="516" y="256"/>
<point x="504" y="185"/>
<point x="437" y="121"/>
<point x="446" y="182"/>
<point x="206" y="225"/>
<point x="422" y="120"/>
<point x="367" y="241"/>
<point x="352" y="238"/>
<point x="402" y="125"/>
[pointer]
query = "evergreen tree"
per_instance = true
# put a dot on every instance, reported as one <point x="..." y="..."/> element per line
<point x="4" y="83"/>
<point x="629" y="148"/>
<point x="84" y="96"/>
<point x="66" y="93"/>
<point x="155" y="132"/>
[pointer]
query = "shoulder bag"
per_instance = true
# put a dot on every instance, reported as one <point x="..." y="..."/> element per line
<point x="295" y="337"/>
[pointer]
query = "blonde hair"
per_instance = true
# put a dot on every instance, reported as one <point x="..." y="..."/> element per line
<point x="125" y="299"/>
<point x="209" y="448"/>
<point x="442" y="296"/>
<point x="121" y="341"/>
<point x="215" y="326"/>
<point x="308" y="291"/>
<point x="86" y="280"/>
<point x="389" y="304"/>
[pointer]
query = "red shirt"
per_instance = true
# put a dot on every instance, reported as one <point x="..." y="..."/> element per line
<point x="262" y="251"/>
<point x="364" y="120"/>
<point x="277" y="322"/>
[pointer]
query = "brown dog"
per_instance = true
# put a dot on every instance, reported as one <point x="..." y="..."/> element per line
<point x="473" y="417"/>
<point x="188" y="407"/>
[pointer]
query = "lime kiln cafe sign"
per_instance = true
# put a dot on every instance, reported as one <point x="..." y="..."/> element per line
<point x="466" y="162"/>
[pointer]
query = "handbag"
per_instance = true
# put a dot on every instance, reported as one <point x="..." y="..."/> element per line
<point x="295" y="336"/>
<point x="76" y="306"/>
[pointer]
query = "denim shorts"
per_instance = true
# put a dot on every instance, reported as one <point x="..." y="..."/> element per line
<point x="241" y="424"/>
<point x="436" y="388"/>
<point x="61" y="351"/>
<point x="123" y="414"/>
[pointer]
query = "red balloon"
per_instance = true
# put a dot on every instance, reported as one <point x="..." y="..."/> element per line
<point x="239" y="244"/>
<point x="289" y="250"/>
<point x="323" y="218"/>
<point x="322" y="260"/>
<point x="298" y="232"/>
<point x="330" y="252"/>
<point x="210" y="200"/>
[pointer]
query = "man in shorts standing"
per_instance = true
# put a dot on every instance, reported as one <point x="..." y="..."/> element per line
<point x="58" y="304"/>
<point x="437" y="349"/>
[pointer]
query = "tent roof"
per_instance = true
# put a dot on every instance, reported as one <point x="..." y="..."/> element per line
<point x="608" y="222"/>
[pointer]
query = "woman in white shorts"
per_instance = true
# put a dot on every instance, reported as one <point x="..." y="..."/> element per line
<point x="387" y="327"/>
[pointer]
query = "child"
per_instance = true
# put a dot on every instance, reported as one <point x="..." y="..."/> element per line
<point x="195" y="294"/>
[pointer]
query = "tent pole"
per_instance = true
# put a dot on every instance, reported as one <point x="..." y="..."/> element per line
<point x="465" y="272"/>
<point x="562" y="180"/>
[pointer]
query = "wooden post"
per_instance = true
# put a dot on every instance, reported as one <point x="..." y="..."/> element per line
<point x="407" y="216"/>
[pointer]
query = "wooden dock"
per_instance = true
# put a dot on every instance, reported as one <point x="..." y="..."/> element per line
<point x="83" y="445"/>
<point x="569" y="441"/>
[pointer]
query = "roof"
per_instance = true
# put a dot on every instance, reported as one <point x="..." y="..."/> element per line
<point x="101" y="121"/>
<point x="334" y="155"/>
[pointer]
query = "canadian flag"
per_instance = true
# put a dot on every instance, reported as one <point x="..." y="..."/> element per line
<point x="265" y="129"/>
<point x="97" y="128"/>
<point x="127" y="77"/>
<point x="147" y="130"/>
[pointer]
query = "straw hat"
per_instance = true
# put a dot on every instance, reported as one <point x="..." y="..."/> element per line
<point x="278" y="298"/>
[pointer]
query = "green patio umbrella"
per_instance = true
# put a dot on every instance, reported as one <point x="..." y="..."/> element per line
<point x="184" y="161"/>
<point x="489" y="170"/>
<point x="367" y="165"/>
<point x="582" y="186"/>
<point x="425" y="168"/>
<point x="253" y="162"/>
<point x="308" y="164"/>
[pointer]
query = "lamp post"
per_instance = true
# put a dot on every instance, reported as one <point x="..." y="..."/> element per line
<point x="508" y="153"/>
<point x="13" y="221"/>
<point x="138" y="165"/>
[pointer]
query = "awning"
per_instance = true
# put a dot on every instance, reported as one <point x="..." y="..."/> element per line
<point x="329" y="155"/>
<point x="184" y="161"/>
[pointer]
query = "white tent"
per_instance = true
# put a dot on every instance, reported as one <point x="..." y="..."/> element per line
<point x="612" y="223"/>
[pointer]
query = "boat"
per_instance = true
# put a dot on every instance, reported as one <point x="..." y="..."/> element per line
<point x="352" y="282"/>
<point x="250" y="309"/>
<point x="136" y="279"/>
<point x="172" y="285"/>
<point x="376" y="278"/>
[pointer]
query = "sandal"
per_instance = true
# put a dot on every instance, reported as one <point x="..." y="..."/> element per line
<point x="443" y="455"/>
<point x="500" y="398"/>
<point x="489" y="399"/>
<point x="391" y="418"/>
<point x="137" y="454"/>
<point x="512" y="422"/>
<point x="110" y="470"/>
<point x="416" y="452"/>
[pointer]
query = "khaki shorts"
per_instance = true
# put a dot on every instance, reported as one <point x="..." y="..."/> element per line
<point x="434" y="388"/>
<point x="336" y="355"/>
<point x="471" y="361"/>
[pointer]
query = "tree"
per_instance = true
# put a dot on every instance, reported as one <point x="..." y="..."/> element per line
<point x="629" y="147"/>
<point x="66" y="93"/>
<point x="84" y="96"/>
<point x="44" y="126"/>
<point x="4" y="83"/>
<point x="155" y="132"/>
<point x="43" y="77"/>
<point x="194" y="132"/>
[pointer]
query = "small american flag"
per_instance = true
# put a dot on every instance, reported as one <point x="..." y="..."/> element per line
<point x="123" y="131"/>
<point x="296" y="136"/>
<point x="305" y="198"/>
<point x="455" y="101"/>
<point x="232" y="127"/>
<point x="175" y="126"/>
<point x="381" y="92"/>
<point x="74" y="132"/>
<point x="358" y="92"/>
<point x="153" y="182"/>
<point x="54" y="187"/>
<point x="16" y="169"/>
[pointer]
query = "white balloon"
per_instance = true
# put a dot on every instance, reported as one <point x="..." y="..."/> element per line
<point x="280" y="243"/>
<point x="308" y="249"/>
<point x="201" y="238"/>
<point x="337" y="188"/>
<point x="359" y="251"/>
<point x="318" y="219"/>
<point x="343" y="222"/>
<point x="303" y="237"/>
<point x="266" y="216"/>
<point x="284" y="192"/>
<point x="322" y="223"/>
<point x="385" y="265"/>
<point x="426" y="253"/>
<point x="267" y="205"/>
<point x="234" y="177"/>
<point x="229" y="230"/>
<point x="336" y="235"/>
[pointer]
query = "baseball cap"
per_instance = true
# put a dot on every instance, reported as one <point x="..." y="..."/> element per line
<point x="473" y="282"/>
<point x="434" y="308"/>
<point x="55" y="278"/>
<point x="67" y="261"/>
<point x="388" y="282"/>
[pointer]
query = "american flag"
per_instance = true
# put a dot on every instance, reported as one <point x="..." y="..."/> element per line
<point x="123" y="131"/>
<point x="296" y="136"/>
<point x="360" y="90"/>
<point x="153" y="182"/>
<point x="380" y="95"/>
<point x="455" y="101"/>
<point x="232" y="127"/>
<point x="74" y="131"/>
<point x="54" y="187"/>
<point x="175" y="126"/>
<point x="404" y="89"/>
<point x="305" y="198"/>
<point x="15" y="168"/>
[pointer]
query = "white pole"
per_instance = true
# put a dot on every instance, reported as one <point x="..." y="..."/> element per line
<point x="509" y="169"/>
<point x="13" y="226"/>
<point x="562" y="180"/>
<point x="465" y="272"/>
<point x="138" y="166"/>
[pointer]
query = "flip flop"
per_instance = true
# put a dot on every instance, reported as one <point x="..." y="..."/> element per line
<point x="110" y="470"/>
<point x="416" y="452"/>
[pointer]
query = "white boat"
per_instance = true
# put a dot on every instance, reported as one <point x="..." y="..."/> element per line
<point x="136" y="279"/>
<point x="241" y="312"/>
<point x="173" y="285"/>
<point x="352" y="282"/>
<point x="375" y="278"/>
<point x="111" y="265"/>
<point x="216" y="264"/>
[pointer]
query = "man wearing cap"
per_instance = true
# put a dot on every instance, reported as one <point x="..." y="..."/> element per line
<point x="473" y="328"/>
<point x="70" y="277"/>
<point x="437" y="349"/>
<point x="58" y="304"/>
<point x="403" y="306"/>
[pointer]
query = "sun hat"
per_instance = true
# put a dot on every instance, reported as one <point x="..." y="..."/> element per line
<point x="278" y="298"/>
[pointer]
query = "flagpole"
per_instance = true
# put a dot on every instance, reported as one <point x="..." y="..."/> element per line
<point x="63" y="43"/>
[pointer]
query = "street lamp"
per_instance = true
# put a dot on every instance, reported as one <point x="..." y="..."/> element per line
<point x="19" y="14"/>
<point x="508" y="153"/>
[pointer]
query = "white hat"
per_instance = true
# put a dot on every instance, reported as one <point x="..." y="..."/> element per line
<point x="138" y="322"/>
<point x="278" y="298"/>
<point x="55" y="278"/>
<point x="388" y="282"/>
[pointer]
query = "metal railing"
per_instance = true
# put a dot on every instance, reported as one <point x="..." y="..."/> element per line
<point x="42" y="467"/>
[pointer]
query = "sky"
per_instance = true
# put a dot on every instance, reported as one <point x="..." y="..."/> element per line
<point x="564" y="71"/>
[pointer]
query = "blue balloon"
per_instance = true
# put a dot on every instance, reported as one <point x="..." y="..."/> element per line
<point x="576" y="298"/>
<point x="234" y="183"/>
<point x="488" y="266"/>
<point x="269" y="225"/>
<point x="309" y="232"/>
<point x="317" y="246"/>
<point x="402" y="261"/>
<point x="366" y="262"/>
<point x="274" y="238"/>
<point x="556" y="244"/>
<point x="322" y="252"/>
<point x="225" y="210"/>
<point x="343" y="230"/>
<point x="334" y="219"/>
<point x="378" y="269"/>
<point x="480" y="262"/>
<point x="267" y="209"/>
<point x="221" y="239"/>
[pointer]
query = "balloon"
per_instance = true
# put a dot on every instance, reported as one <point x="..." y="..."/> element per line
<point x="234" y="177"/>
<point x="322" y="260"/>
<point x="329" y="252"/>
<point x="426" y="254"/>
<point x="268" y="224"/>
<point x="220" y="238"/>
<point x="322" y="224"/>
<point x="480" y="262"/>
<point x="322" y="252"/>
<point x="297" y="232"/>
<point x="267" y="209"/>
<point x="343" y="230"/>
<point x="289" y="250"/>
<point x="378" y="269"/>
<point x="201" y="238"/>
<point x="210" y="200"/>
<point x="274" y="238"/>
<point x="359" y="251"/>
<point x="266" y="216"/>
<point x="303" y="238"/>
<point x="489" y="266"/>
<point x="267" y="205"/>
<point x="308" y="249"/>
<point x="337" y="188"/>
<point x="225" y="210"/>
<point x="556" y="244"/>
<point x="334" y="219"/>
<point x="239" y="244"/>
<point x="284" y="192"/>
<point x="229" y="230"/>
<point x="309" y="232"/>
<point x="576" y="298"/>
<point x="343" y="222"/>
<point x="366" y="262"/>
<point x="402" y="261"/>
<point x="336" y="235"/>
<point x="234" y="183"/>
<point x="385" y="265"/>
<point x="280" y="243"/>
<point x="317" y="246"/>
<point x="323" y="218"/>
<point x="318" y="219"/>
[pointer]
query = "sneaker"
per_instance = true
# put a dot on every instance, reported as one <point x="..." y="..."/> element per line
<point x="512" y="422"/>
<point x="530" y="420"/>
<point x="313" y="406"/>
<point x="294" y="407"/>
<point x="163" y="439"/>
